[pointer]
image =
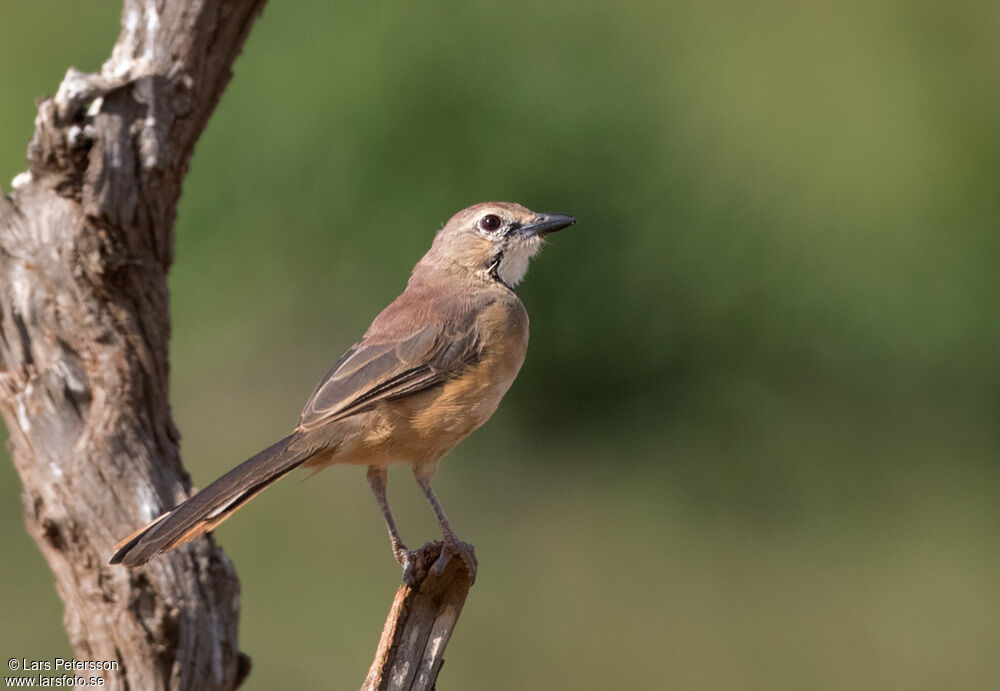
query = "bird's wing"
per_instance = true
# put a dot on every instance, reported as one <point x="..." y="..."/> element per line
<point x="373" y="371"/>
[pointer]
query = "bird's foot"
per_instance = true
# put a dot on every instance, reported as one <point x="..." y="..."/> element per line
<point x="452" y="546"/>
<point x="415" y="562"/>
<point x="407" y="560"/>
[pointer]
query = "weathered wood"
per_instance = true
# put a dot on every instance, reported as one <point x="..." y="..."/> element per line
<point x="423" y="615"/>
<point x="86" y="239"/>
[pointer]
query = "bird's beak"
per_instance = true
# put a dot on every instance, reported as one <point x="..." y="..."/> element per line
<point x="543" y="224"/>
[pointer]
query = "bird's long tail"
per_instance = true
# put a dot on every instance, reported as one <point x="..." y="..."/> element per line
<point x="212" y="505"/>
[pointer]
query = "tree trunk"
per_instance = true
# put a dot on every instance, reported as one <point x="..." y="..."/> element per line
<point x="86" y="239"/>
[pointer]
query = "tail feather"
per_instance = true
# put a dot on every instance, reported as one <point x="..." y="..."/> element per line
<point x="212" y="505"/>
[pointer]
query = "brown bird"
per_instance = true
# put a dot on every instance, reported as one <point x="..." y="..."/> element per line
<point x="431" y="368"/>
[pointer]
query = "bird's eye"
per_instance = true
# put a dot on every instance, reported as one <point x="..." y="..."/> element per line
<point x="490" y="222"/>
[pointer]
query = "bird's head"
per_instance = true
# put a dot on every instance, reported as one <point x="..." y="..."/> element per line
<point x="493" y="239"/>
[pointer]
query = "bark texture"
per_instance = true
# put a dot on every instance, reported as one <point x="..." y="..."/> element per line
<point x="411" y="650"/>
<point x="86" y="239"/>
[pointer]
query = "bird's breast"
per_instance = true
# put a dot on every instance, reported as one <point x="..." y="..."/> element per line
<point x="426" y="425"/>
<point x="468" y="399"/>
<point x="423" y="426"/>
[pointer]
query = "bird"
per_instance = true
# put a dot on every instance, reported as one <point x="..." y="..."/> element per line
<point x="431" y="368"/>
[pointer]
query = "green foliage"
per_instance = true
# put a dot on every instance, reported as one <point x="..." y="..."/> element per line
<point x="754" y="444"/>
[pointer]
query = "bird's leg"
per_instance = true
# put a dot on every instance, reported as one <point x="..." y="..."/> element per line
<point x="377" y="480"/>
<point x="451" y="544"/>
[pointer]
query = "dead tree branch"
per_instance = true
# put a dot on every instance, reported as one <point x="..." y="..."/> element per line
<point x="419" y="626"/>
<point x="86" y="239"/>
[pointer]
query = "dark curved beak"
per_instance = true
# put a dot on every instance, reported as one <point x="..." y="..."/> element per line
<point x="543" y="224"/>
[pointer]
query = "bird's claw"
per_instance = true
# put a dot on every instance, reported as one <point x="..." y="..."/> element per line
<point x="407" y="560"/>
<point x="414" y="562"/>
<point x="452" y="546"/>
<point x="409" y="572"/>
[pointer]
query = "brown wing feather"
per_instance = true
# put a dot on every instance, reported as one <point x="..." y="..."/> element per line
<point x="376" y="370"/>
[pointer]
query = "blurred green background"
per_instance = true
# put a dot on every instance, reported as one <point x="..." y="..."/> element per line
<point x="755" y="442"/>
